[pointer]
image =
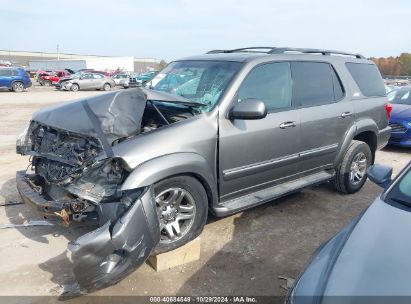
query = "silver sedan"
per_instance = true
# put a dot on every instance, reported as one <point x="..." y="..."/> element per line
<point x="89" y="81"/>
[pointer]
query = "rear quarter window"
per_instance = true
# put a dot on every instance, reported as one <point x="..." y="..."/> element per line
<point x="368" y="78"/>
<point x="315" y="83"/>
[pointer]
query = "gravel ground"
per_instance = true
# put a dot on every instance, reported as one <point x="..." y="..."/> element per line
<point x="241" y="254"/>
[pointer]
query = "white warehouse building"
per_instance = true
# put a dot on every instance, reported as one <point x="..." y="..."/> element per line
<point x="53" y="61"/>
<point x="100" y="64"/>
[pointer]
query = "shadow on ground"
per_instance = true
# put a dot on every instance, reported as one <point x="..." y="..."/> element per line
<point x="276" y="239"/>
<point x="59" y="266"/>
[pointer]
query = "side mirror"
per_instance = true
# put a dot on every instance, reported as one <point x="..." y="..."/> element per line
<point x="248" y="109"/>
<point x="380" y="175"/>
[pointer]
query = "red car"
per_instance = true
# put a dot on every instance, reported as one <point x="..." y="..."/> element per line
<point x="54" y="78"/>
<point x="99" y="72"/>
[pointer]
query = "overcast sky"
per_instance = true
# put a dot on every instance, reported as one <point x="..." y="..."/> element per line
<point x="171" y="29"/>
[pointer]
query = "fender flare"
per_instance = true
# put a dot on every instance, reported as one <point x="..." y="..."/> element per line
<point x="358" y="127"/>
<point x="156" y="169"/>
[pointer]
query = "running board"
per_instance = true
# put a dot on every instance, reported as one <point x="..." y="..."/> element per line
<point x="266" y="195"/>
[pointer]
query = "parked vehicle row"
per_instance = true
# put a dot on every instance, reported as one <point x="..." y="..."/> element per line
<point x="16" y="79"/>
<point x="159" y="158"/>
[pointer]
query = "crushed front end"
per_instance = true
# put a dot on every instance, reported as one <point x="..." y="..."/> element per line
<point x="74" y="177"/>
<point x="68" y="181"/>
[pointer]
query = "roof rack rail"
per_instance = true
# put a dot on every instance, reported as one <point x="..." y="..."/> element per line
<point x="282" y="50"/>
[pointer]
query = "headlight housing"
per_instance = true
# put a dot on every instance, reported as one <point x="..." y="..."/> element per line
<point x="22" y="142"/>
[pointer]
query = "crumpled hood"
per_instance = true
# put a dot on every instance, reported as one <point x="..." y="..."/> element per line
<point x="401" y="111"/>
<point x="375" y="260"/>
<point x="107" y="117"/>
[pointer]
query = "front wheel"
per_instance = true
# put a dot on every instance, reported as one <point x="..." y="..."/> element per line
<point x="75" y="87"/>
<point x="17" y="87"/>
<point x="181" y="203"/>
<point x="352" y="172"/>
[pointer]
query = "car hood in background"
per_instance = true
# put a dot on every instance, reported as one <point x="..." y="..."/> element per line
<point x="401" y="111"/>
<point x="375" y="259"/>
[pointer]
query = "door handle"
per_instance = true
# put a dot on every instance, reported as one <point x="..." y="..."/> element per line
<point x="288" y="124"/>
<point x="346" y="114"/>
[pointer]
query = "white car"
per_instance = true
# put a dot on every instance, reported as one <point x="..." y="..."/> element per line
<point x="119" y="79"/>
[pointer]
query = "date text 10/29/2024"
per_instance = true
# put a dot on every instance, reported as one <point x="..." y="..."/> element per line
<point x="204" y="299"/>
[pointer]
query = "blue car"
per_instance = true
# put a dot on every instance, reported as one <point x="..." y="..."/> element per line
<point x="14" y="79"/>
<point x="400" y="121"/>
<point x="369" y="260"/>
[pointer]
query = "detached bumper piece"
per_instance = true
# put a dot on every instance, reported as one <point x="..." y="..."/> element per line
<point x="106" y="255"/>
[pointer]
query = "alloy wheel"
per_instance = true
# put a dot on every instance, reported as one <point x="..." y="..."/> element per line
<point x="18" y="87"/>
<point x="176" y="210"/>
<point x="358" y="168"/>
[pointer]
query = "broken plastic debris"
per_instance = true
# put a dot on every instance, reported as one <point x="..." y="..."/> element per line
<point x="288" y="282"/>
<point x="26" y="224"/>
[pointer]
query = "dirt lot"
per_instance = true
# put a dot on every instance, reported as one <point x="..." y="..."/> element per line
<point x="241" y="254"/>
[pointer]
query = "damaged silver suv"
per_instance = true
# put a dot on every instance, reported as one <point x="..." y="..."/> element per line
<point x="221" y="132"/>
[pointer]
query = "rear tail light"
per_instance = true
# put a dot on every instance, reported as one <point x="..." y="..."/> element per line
<point x="388" y="109"/>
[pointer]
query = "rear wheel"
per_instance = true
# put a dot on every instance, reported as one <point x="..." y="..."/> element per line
<point x="352" y="172"/>
<point x="17" y="87"/>
<point x="107" y="87"/>
<point x="181" y="203"/>
<point x="47" y="83"/>
<point x="75" y="87"/>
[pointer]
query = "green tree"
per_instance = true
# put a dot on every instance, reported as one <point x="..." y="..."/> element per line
<point x="395" y="66"/>
<point x="405" y="62"/>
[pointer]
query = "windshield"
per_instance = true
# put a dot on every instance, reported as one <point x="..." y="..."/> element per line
<point x="401" y="193"/>
<point x="199" y="81"/>
<point x="400" y="96"/>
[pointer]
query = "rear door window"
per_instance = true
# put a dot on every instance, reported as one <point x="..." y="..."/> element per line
<point x="270" y="83"/>
<point x="5" y="72"/>
<point x="315" y="83"/>
<point x="368" y="78"/>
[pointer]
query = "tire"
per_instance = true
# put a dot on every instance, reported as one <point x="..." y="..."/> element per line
<point x="107" y="87"/>
<point x="47" y="83"/>
<point x="352" y="172"/>
<point x="193" y="202"/>
<point x="75" y="87"/>
<point x="17" y="87"/>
